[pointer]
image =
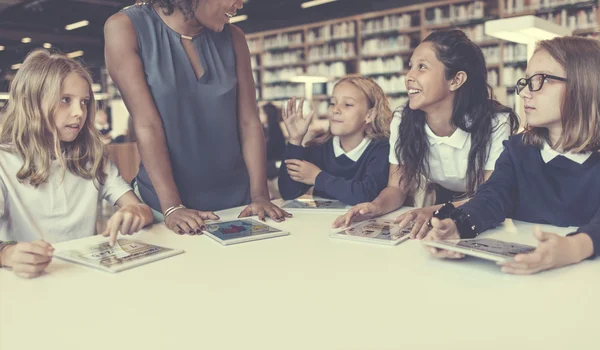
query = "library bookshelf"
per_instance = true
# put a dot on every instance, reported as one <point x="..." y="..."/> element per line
<point x="379" y="45"/>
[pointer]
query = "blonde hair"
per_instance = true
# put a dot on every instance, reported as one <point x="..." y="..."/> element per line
<point x="580" y="110"/>
<point x="27" y="125"/>
<point x="379" y="128"/>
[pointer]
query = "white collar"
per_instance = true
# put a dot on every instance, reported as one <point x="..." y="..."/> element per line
<point x="456" y="140"/>
<point x="353" y="154"/>
<point x="548" y="154"/>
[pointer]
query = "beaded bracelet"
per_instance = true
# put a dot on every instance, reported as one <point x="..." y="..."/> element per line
<point x="463" y="222"/>
<point x="170" y="210"/>
<point x="4" y="244"/>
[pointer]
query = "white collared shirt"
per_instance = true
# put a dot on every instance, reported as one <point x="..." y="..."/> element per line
<point x="449" y="155"/>
<point x="354" y="154"/>
<point x="59" y="209"/>
<point x="548" y="154"/>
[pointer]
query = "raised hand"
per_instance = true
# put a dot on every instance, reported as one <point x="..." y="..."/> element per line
<point x="295" y="123"/>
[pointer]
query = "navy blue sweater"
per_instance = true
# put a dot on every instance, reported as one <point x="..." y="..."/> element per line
<point x="341" y="178"/>
<point x="560" y="193"/>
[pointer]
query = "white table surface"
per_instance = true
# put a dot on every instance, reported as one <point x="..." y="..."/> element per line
<point x="303" y="291"/>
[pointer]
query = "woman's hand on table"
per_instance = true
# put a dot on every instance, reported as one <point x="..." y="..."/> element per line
<point x="263" y="207"/>
<point x="188" y="221"/>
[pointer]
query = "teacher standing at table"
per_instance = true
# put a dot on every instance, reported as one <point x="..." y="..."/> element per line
<point x="185" y="76"/>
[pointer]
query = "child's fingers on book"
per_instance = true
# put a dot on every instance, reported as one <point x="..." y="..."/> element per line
<point x="423" y="231"/>
<point x="126" y="224"/>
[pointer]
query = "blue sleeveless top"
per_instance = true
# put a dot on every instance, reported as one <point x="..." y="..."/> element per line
<point x="199" y="116"/>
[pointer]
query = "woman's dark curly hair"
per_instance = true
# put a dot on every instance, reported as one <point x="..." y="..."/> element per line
<point x="187" y="7"/>
<point x="473" y="99"/>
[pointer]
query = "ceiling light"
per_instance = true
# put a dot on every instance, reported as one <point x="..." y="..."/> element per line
<point x="26" y="40"/>
<point x="16" y="66"/>
<point x="47" y="45"/>
<point x="74" y="54"/>
<point x="76" y="25"/>
<point x="313" y="3"/>
<point x="1" y="48"/>
<point x="3" y="95"/>
<point x="239" y="18"/>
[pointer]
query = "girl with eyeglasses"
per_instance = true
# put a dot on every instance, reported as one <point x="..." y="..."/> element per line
<point x="550" y="174"/>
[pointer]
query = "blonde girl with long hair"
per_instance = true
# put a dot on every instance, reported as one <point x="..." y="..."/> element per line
<point x="54" y="168"/>
<point x="348" y="163"/>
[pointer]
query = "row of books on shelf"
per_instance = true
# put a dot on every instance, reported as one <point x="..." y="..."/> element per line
<point x="517" y="6"/>
<point x="582" y="19"/>
<point x="282" y="40"/>
<point x="335" y="69"/>
<point x="384" y="45"/>
<point x="281" y="75"/>
<point x="340" y="50"/>
<point x="333" y="31"/>
<point x="280" y="58"/>
<point x="382" y="65"/>
<point x="455" y="13"/>
<point x="387" y="23"/>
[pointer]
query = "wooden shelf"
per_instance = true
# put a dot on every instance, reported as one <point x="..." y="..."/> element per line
<point x="465" y="23"/>
<point x="485" y="43"/>
<point x="279" y="82"/>
<point x="285" y="48"/>
<point x="586" y="31"/>
<point x="328" y="60"/>
<point x="330" y="41"/>
<point x="385" y="74"/>
<point x="493" y="9"/>
<point x="391" y="32"/>
<point x="387" y="54"/>
<point x="283" y="65"/>
<point x="515" y="64"/>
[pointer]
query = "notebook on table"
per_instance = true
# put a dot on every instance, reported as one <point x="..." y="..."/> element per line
<point x="125" y="254"/>
<point x="380" y="231"/>
<point x="241" y="230"/>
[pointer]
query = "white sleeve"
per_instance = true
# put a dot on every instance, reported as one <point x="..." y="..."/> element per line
<point x="394" y="125"/>
<point x="500" y="132"/>
<point x="114" y="186"/>
<point x="3" y="196"/>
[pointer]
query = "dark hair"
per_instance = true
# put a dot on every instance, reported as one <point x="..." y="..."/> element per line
<point x="275" y="138"/>
<point x="187" y="7"/>
<point x="474" y="111"/>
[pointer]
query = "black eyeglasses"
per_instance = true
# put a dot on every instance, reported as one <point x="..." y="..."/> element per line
<point x="535" y="82"/>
